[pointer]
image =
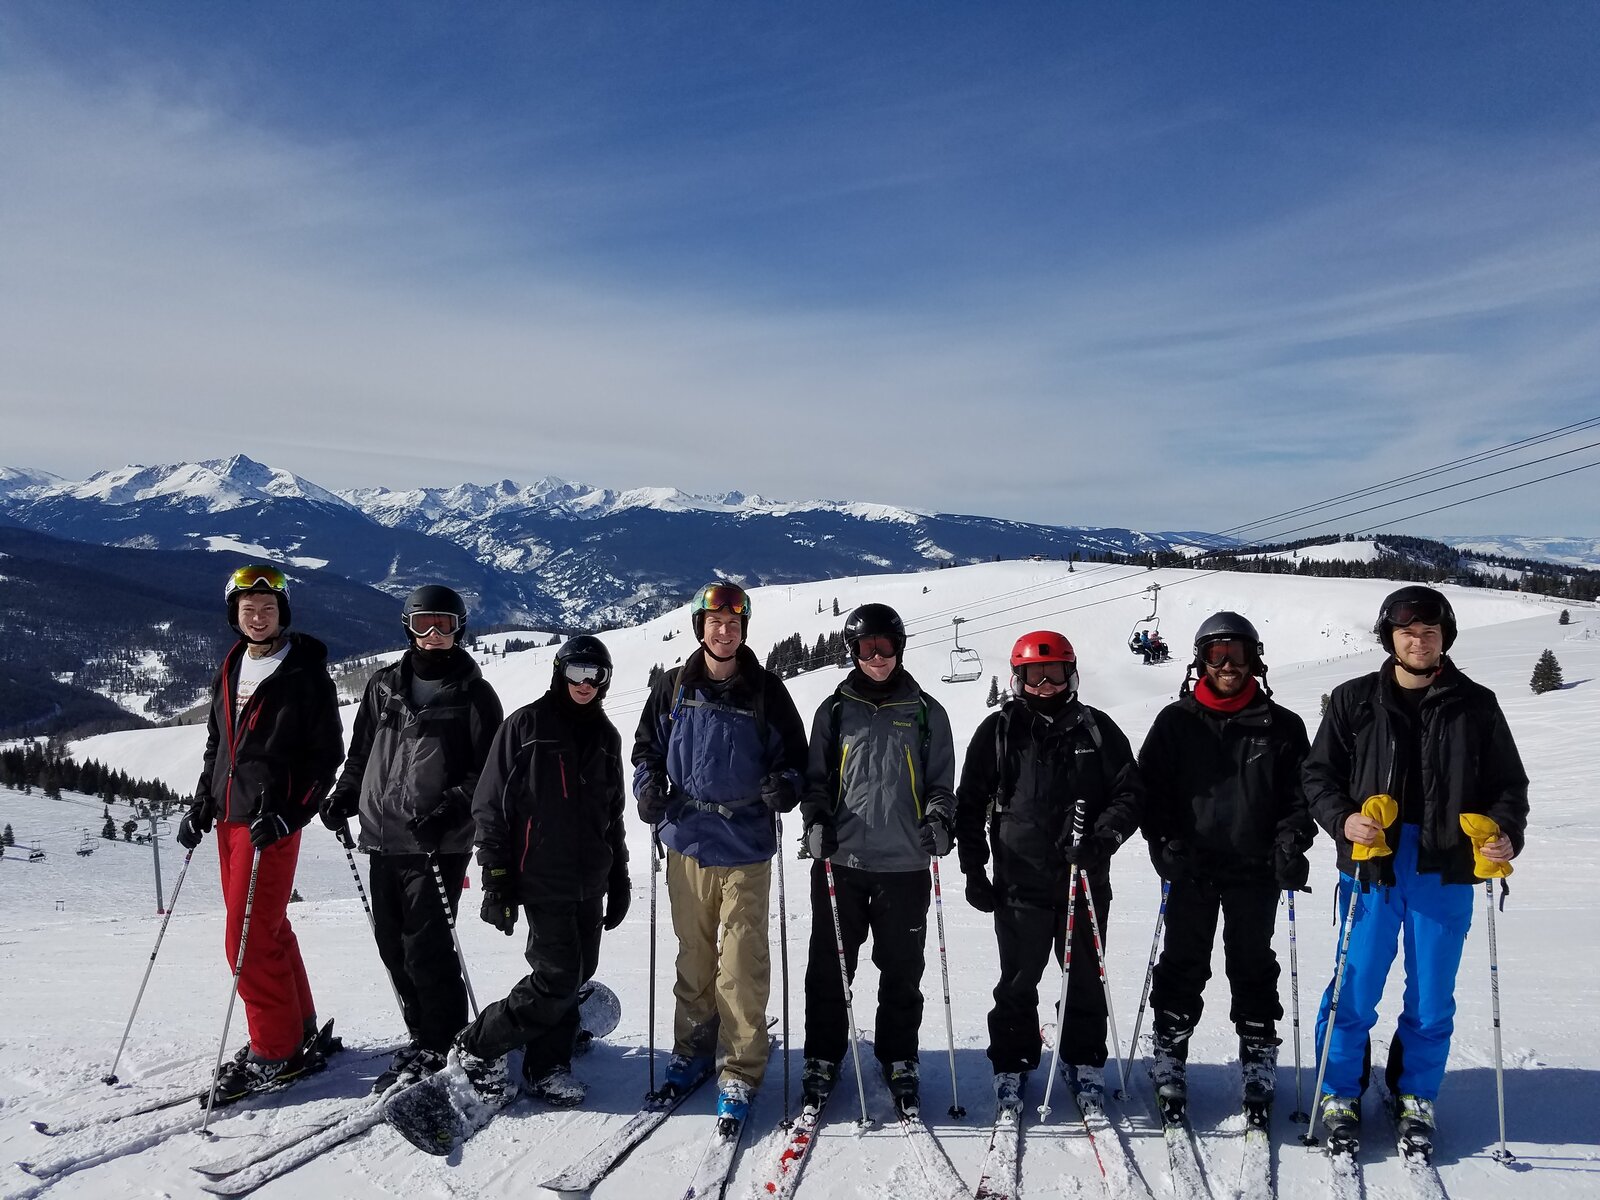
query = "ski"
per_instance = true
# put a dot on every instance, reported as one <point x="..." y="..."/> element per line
<point x="1344" y="1170"/>
<point x="1117" y="1170"/>
<point x="78" y="1124"/>
<point x="937" y="1171"/>
<point x="1255" y="1161"/>
<point x="715" y="1170"/>
<point x="287" y="1157"/>
<point x="92" y="1156"/>
<point x="1183" y="1160"/>
<point x="1416" y="1154"/>
<point x="270" y="1145"/>
<point x="594" y="1166"/>
<point x="783" y="1175"/>
<point x="998" y="1177"/>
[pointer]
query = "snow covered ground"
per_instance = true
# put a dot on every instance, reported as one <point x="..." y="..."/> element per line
<point x="78" y="931"/>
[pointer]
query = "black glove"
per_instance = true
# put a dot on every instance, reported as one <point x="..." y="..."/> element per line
<point x="1171" y="861"/>
<point x="936" y="835"/>
<point x="499" y="904"/>
<point x="337" y="809"/>
<point x="980" y="892"/>
<point x="268" y="828"/>
<point x="1094" y="851"/>
<point x="619" y="894"/>
<point x="778" y="792"/>
<point x="195" y="825"/>
<point x="1291" y="868"/>
<point x="429" y="828"/>
<point x="821" y="840"/>
<point x="651" y="797"/>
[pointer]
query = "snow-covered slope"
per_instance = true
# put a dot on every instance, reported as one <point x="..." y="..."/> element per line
<point x="1572" y="551"/>
<point x="67" y="977"/>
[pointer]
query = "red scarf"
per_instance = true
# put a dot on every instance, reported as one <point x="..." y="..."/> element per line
<point x="1207" y="695"/>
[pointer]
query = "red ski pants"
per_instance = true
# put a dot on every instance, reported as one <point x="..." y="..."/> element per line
<point x="273" y="983"/>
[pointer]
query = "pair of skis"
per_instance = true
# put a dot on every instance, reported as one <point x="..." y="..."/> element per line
<point x="1000" y="1176"/>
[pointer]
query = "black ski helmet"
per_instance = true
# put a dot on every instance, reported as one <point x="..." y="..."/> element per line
<point x="871" y="619"/>
<point x="259" y="578"/>
<point x="1227" y="626"/>
<point x="587" y="650"/>
<point x="434" y="597"/>
<point x="1416" y="602"/>
<point x="720" y="595"/>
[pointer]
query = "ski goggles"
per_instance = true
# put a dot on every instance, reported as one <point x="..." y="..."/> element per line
<point x="255" y="579"/>
<point x="1038" y="674"/>
<point x="1413" y="612"/>
<point x="586" y="674"/>
<point x="876" y="645"/>
<point x="721" y="597"/>
<point x="421" y="624"/>
<point x="1214" y="654"/>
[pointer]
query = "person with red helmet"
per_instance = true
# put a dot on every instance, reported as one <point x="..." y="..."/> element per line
<point x="1049" y="784"/>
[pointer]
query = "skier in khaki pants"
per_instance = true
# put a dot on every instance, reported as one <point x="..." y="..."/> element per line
<point x="720" y="748"/>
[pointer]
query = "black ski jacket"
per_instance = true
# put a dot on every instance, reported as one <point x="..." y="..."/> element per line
<point x="1024" y="777"/>
<point x="549" y="802"/>
<point x="1227" y="786"/>
<point x="282" y="753"/>
<point x="1470" y="764"/>
<point x="406" y="761"/>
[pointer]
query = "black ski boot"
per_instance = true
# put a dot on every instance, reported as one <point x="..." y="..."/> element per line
<point x="904" y="1083"/>
<point x="817" y="1078"/>
<point x="1258" y="1069"/>
<point x="1088" y="1087"/>
<point x="1169" y="1067"/>
<point x="1413" y="1118"/>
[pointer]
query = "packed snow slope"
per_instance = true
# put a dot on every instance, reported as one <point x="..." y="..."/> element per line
<point x="79" y="930"/>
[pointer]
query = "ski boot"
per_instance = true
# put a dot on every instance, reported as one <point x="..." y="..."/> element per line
<point x="904" y="1085"/>
<point x="398" y="1066"/>
<point x="1169" y="1071"/>
<point x="733" y="1106"/>
<point x="1341" y="1116"/>
<point x="817" y="1078"/>
<point x="1008" y="1087"/>
<point x="487" y="1078"/>
<point x="245" y="1075"/>
<point x="558" y="1087"/>
<point x="1088" y="1087"/>
<point x="683" y="1073"/>
<point x="1258" y="1069"/>
<point x="1413" y="1117"/>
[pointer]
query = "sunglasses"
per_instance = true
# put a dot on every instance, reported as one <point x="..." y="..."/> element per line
<point x="720" y="598"/>
<point x="246" y="578"/>
<point x="1214" y="654"/>
<point x="590" y="674"/>
<point x="1037" y="674"/>
<point x="421" y="624"/>
<point x="1412" y="612"/>
<point x="875" y="645"/>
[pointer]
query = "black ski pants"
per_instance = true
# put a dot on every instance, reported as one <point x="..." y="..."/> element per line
<point x="1248" y="912"/>
<point x="1027" y="937"/>
<point x="412" y="928"/>
<point x="540" y="1014"/>
<point x="893" y="907"/>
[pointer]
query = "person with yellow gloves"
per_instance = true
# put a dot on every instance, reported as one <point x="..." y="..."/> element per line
<point x="1403" y="757"/>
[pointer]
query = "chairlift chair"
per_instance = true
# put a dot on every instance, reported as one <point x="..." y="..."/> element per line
<point x="1154" y="621"/>
<point x="965" y="665"/>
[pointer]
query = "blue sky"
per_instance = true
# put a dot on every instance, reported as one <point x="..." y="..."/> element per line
<point x="1174" y="266"/>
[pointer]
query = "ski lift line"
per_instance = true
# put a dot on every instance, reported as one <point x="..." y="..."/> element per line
<point x="1400" y="481"/>
<point x="1104" y="600"/>
<point x="1497" y="492"/>
<point x="1044" y="599"/>
<point x="1434" y="491"/>
<point x="938" y="615"/>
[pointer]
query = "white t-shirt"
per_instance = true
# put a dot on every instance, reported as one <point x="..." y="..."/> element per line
<point x="251" y="672"/>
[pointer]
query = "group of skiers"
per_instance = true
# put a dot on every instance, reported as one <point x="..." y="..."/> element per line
<point x="1413" y="773"/>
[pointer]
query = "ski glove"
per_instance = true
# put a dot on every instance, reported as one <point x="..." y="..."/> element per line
<point x="268" y="828"/>
<point x="430" y="828"/>
<point x="778" y="792"/>
<point x="337" y="810"/>
<point x="936" y="835"/>
<point x="1094" y="851"/>
<point x="821" y="841"/>
<point x="1172" y="862"/>
<point x="980" y="892"/>
<point x="619" y="894"/>
<point x="1291" y="868"/>
<point x="195" y="825"/>
<point x="651" y="797"/>
<point x="499" y="905"/>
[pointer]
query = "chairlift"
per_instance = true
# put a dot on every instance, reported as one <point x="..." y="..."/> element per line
<point x="86" y="846"/>
<point x="1154" y="622"/>
<point x="965" y="665"/>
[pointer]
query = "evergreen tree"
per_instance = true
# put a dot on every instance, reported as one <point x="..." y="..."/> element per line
<point x="1546" y="674"/>
<point x="109" y="830"/>
<point x="1565" y="618"/>
<point x="836" y="606"/>
<point x="129" y="828"/>
<point x="1324" y="703"/>
<point x="7" y="837"/>
<point x="994" y="691"/>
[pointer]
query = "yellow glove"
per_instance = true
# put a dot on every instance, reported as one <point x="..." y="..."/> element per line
<point x="1383" y="809"/>
<point x="1481" y="829"/>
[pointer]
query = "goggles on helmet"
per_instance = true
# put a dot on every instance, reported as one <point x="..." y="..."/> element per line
<point x="592" y="674"/>
<point x="1411" y="612"/>
<point x="1214" y="654"/>
<point x="255" y="579"/>
<point x="875" y="645"/>
<point x="1037" y="674"/>
<point x="722" y="597"/>
<point x="421" y="624"/>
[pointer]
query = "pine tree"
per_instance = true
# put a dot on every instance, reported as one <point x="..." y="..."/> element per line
<point x="1565" y="618"/>
<point x="1324" y="703"/>
<point x="836" y="606"/>
<point x="8" y="838"/>
<point x="109" y="830"/>
<point x="994" y="691"/>
<point x="129" y="828"/>
<point x="1546" y="674"/>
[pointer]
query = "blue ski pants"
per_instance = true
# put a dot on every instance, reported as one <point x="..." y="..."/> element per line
<point x="1431" y="919"/>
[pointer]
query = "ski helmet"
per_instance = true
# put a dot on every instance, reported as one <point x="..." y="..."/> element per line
<point x="434" y="598"/>
<point x="1043" y="646"/>
<point x="1228" y="626"/>
<point x="259" y="578"/>
<point x="720" y="595"/>
<point x="584" y="650"/>
<point x="1411" y="604"/>
<point x="875" y="619"/>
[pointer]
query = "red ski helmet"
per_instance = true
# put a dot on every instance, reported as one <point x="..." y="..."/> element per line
<point x="1042" y="646"/>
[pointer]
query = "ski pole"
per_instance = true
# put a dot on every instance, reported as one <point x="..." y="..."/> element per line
<point x="110" y="1077"/>
<point x="348" y="843"/>
<point x="1150" y="968"/>
<point x="450" y="916"/>
<point x="1309" y="1137"/>
<point x="1105" y="983"/>
<point x="1066" y="965"/>
<point x="238" y="969"/>
<point x="655" y="871"/>
<point x="1299" y="1115"/>
<point x="844" y="980"/>
<point x="1502" y="1155"/>
<point x="783" y="959"/>
<point x="944" y="970"/>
